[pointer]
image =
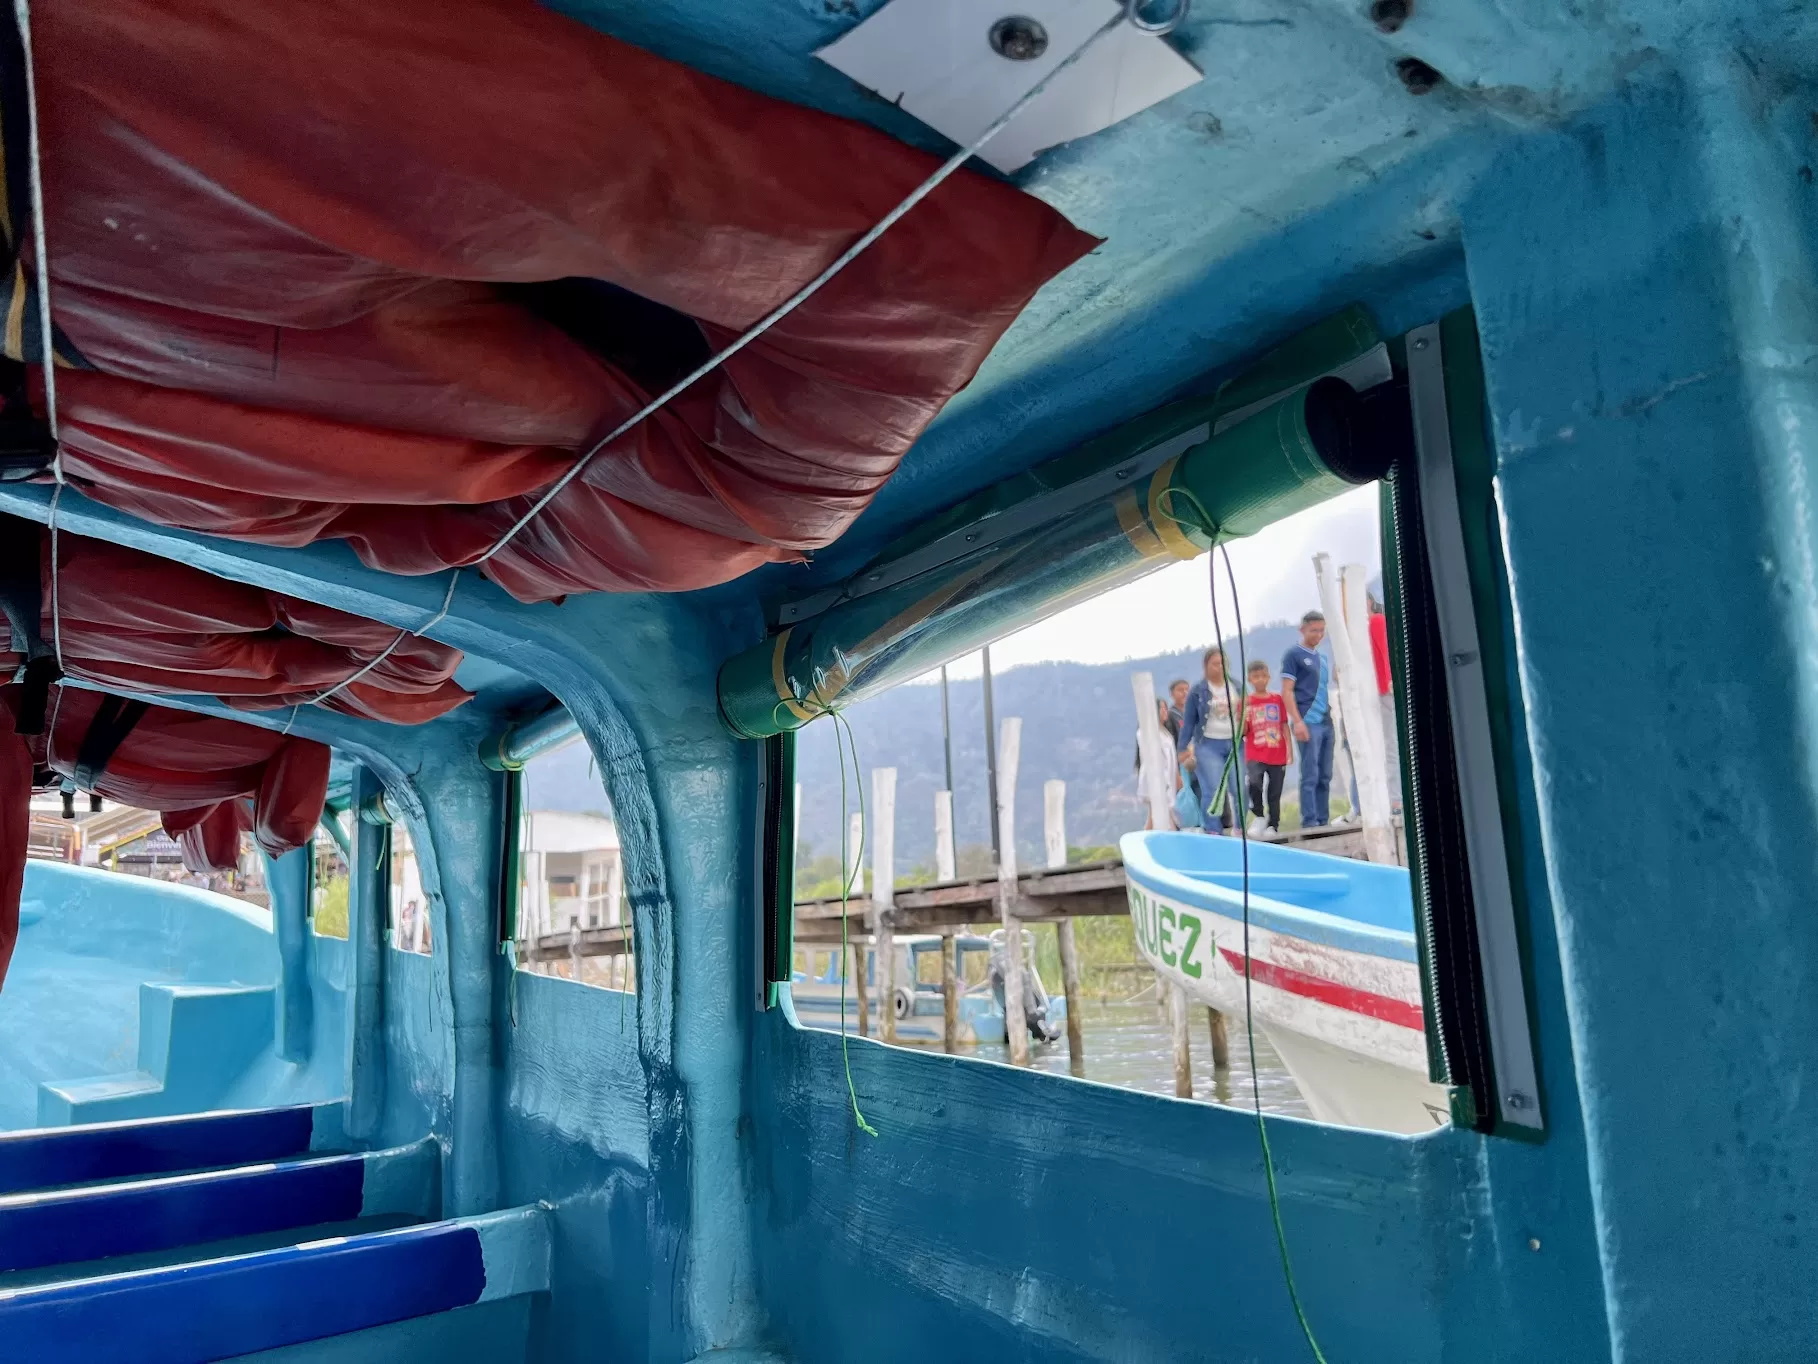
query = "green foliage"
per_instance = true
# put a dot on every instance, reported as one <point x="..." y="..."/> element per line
<point x="331" y="912"/>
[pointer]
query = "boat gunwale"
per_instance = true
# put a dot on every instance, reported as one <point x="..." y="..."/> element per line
<point x="1143" y="869"/>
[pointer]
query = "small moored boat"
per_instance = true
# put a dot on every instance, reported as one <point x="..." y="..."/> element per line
<point x="918" y="1004"/>
<point x="1334" y="980"/>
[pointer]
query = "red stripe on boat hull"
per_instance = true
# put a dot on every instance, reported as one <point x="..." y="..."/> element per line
<point x="1349" y="998"/>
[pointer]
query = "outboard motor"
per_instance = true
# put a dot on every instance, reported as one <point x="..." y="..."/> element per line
<point x="1035" y="994"/>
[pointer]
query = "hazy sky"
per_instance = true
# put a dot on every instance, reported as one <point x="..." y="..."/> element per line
<point x="1169" y="610"/>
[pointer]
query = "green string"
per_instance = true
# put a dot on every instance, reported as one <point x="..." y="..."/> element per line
<point x="847" y="878"/>
<point x="1206" y="526"/>
<point x="1262" y="1127"/>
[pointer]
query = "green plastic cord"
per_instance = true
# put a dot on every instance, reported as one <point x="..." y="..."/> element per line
<point x="1209" y="528"/>
<point x="1262" y="1126"/>
<point x="841" y="724"/>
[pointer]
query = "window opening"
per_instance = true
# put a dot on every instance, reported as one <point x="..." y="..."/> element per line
<point x="328" y="901"/>
<point x="1151" y="924"/>
<point x="573" y="917"/>
<point x="411" y="926"/>
<point x="132" y="842"/>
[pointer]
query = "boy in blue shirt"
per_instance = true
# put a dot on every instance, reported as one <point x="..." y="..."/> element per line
<point x="1306" y="683"/>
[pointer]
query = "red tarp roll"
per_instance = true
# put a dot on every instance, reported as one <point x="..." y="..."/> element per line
<point x="144" y="624"/>
<point x="279" y="233"/>
<point x="211" y="778"/>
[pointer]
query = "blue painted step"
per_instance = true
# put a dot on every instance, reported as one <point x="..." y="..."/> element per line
<point x="194" y="1042"/>
<point x="241" y="1304"/>
<point x="42" y="1159"/>
<point x="67" y="1226"/>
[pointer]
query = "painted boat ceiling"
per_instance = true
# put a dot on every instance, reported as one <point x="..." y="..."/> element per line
<point x="1302" y="174"/>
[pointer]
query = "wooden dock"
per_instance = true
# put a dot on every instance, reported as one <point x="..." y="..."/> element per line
<point x="1010" y="898"/>
<point x="1049" y="895"/>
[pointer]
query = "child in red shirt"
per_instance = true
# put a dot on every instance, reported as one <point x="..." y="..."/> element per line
<point x="1265" y="749"/>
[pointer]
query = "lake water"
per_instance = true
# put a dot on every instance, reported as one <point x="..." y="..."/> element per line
<point x="1128" y="1045"/>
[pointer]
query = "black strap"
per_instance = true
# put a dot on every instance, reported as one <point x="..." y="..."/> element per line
<point x="112" y="723"/>
<point x="26" y="447"/>
<point x="34" y="694"/>
<point x="22" y="602"/>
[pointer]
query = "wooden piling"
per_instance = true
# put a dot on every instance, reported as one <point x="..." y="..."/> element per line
<point x="859" y="987"/>
<point x="1016" y="1023"/>
<point x="1076" y="1029"/>
<point x="1221" y="1039"/>
<point x="1183" y="1047"/>
<point x="855" y="851"/>
<point x="1359" y="711"/>
<point x="883" y="889"/>
<point x="945" y="866"/>
<point x="1054" y="822"/>
<point x="1157" y="786"/>
<point x="949" y="993"/>
<point x="1054" y="840"/>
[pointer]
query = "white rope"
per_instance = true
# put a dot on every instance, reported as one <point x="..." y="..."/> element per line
<point x="454" y="580"/>
<point x="23" y="18"/>
<point x="1129" y="11"/>
<point x="46" y="336"/>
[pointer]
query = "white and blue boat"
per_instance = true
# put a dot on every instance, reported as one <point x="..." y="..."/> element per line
<point x="1334" y="981"/>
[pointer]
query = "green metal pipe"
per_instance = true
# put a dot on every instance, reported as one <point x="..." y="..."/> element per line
<point x="1289" y="453"/>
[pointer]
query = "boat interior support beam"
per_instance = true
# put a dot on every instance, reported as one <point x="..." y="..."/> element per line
<point x="368" y="905"/>
<point x="291" y="881"/>
<point x="1655" y="414"/>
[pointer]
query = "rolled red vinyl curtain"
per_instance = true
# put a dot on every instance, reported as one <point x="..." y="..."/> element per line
<point x="211" y="779"/>
<point x="306" y="327"/>
<point x="139" y="623"/>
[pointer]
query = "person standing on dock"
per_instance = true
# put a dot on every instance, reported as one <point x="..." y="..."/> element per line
<point x="1174" y="719"/>
<point x="1207" y="741"/>
<point x="1265" y="750"/>
<point x="1306" y="691"/>
<point x="1177" y="707"/>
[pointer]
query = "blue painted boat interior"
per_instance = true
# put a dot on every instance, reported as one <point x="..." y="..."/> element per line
<point x="135" y="998"/>
<point x="1624" y="195"/>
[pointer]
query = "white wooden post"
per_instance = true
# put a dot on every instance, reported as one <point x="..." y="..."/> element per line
<point x="852" y="876"/>
<point x="1016" y="1025"/>
<point x="615" y="888"/>
<point x="1156" y="787"/>
<point x="1054" y="830"/>
<point x="1054" y="821"/>
<point x="883" y="894"/>
<point x="1370" y="757"/>
<point x="855" y="847"/>
<point x="1362" y="715"/>
<point x="587" y="915"/>
<point x="945" y="867"/>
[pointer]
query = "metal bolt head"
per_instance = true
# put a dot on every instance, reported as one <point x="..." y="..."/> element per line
<point x="1421" y="344"/>
<point x="1389" y="15"/>
<point x="1533" y="1243"/>
<point x="1018" y="38"/>
<point x="1417" y="75"/>
<point x="1518" y="1101"/>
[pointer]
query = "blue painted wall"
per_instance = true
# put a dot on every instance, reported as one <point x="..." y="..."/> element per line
<point x="1627" y="199"/>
